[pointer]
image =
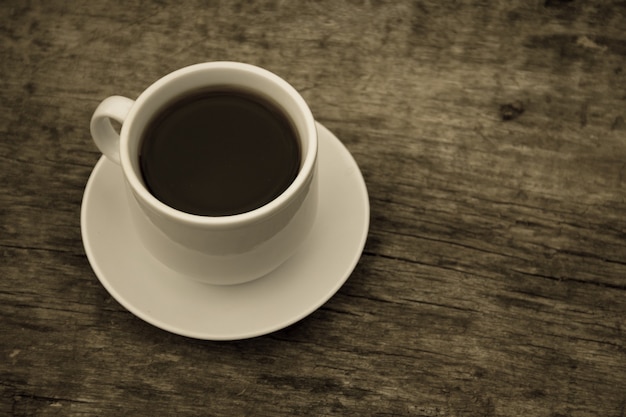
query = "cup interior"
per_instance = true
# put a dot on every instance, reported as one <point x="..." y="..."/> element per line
<point x="207" y="76"/>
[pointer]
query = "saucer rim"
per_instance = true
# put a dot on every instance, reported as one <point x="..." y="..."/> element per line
<point x="347" y="268"/>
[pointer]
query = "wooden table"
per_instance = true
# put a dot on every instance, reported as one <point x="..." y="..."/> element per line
<point x="491" y="136"/>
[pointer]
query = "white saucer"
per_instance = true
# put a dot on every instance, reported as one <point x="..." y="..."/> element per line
<point x="183" y="306"/>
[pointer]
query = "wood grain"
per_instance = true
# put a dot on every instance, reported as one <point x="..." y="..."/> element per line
<point x="493" y="143"/>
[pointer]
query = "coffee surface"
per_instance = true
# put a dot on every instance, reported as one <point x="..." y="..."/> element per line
<point x="219" y="153"/>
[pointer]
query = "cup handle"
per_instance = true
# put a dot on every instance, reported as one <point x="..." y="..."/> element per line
<point x="102" y="132"/>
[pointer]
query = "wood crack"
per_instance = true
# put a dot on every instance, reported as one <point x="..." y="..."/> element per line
<point x="575" y="280"/>
<point x="447" y="306"/>
<point x="18" y="395"/>
<point x="414" y="262"/>
<point x="591" y="255"/>
<point x="43" y="249"/>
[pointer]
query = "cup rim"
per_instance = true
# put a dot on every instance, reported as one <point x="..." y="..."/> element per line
<point x="267" y="210"/>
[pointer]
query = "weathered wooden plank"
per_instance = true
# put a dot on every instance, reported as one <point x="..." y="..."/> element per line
<point x="491" y="137"/>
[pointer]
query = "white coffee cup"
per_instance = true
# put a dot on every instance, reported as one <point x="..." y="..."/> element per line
<point x="217" y="250"/>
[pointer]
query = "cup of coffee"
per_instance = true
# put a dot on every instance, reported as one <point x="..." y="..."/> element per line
<point x="219" y="164"/>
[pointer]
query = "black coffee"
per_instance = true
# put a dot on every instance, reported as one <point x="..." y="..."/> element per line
<point x="219" y="153"/>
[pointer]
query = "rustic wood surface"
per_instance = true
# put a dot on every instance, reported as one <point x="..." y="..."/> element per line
<point x="492" y="138"/>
